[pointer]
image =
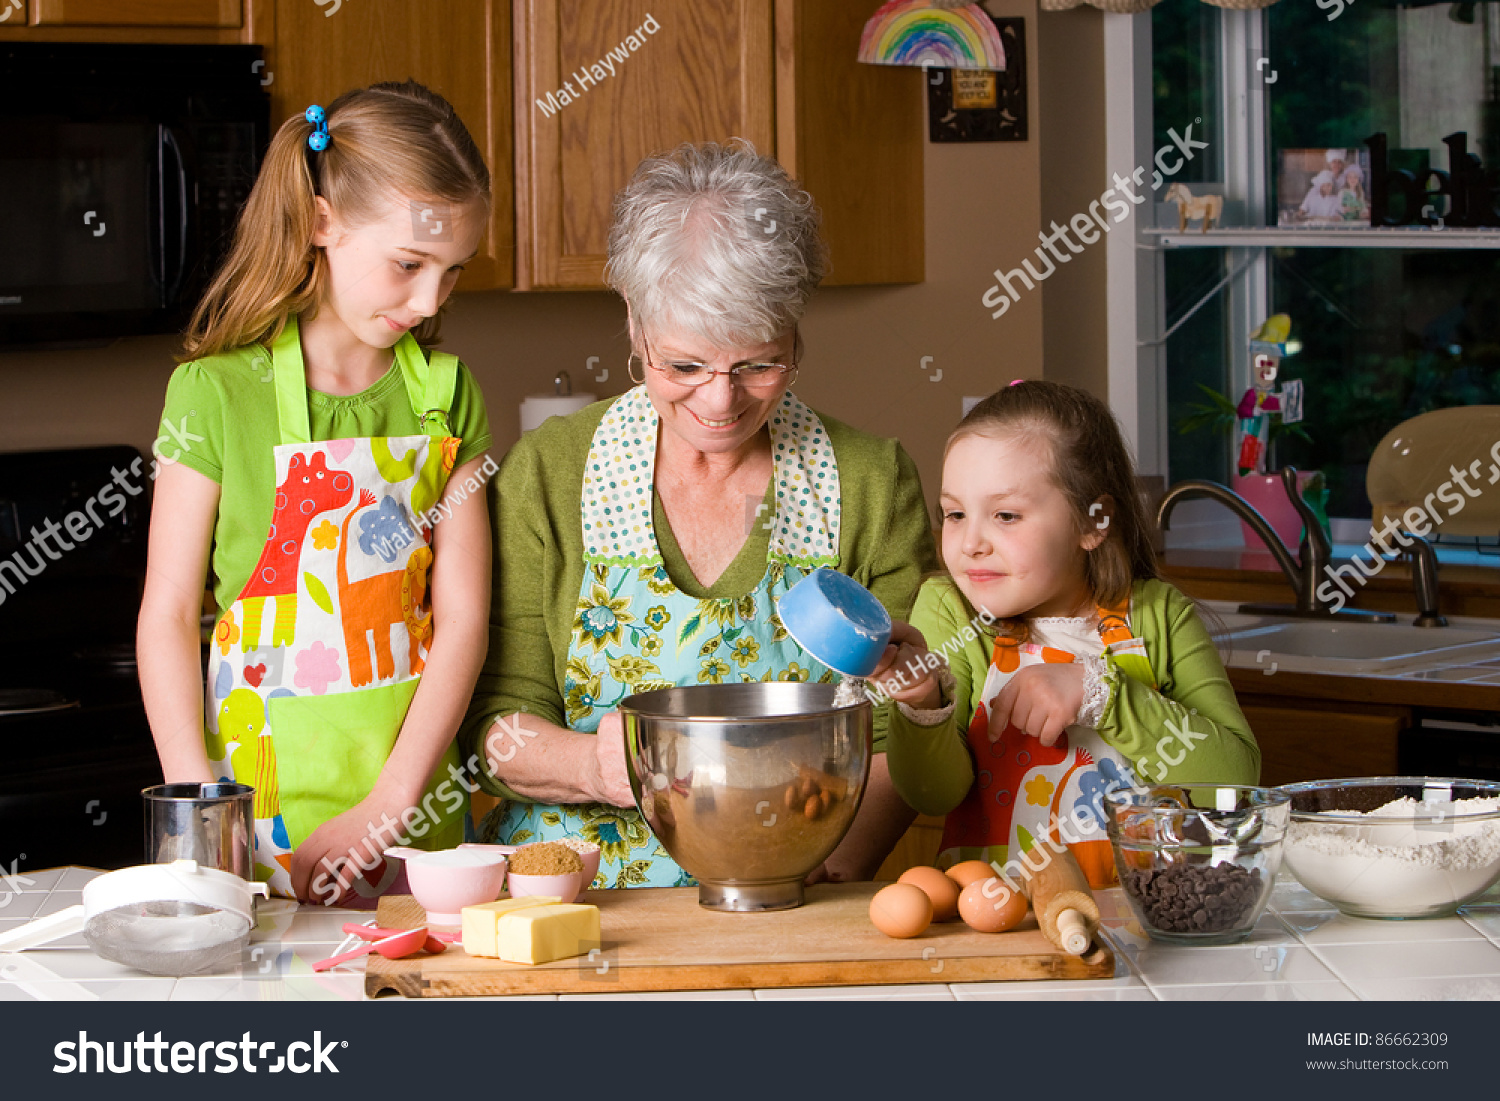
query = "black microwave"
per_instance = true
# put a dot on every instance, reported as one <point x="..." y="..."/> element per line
<point x="122" y="171"/>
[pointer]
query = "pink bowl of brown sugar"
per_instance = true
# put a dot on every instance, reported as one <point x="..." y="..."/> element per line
<point x="546" y="868"/>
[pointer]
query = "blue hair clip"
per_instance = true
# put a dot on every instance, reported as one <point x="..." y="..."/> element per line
<point x="317" y="141"/>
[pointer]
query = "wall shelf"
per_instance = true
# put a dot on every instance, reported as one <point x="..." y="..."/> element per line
<point x="1409" y="237"/>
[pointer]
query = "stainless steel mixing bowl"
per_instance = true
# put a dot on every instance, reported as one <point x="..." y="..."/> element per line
<point x="748" y="786"/>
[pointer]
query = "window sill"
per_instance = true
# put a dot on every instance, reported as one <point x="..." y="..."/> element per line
<point x="1408" y="237"/>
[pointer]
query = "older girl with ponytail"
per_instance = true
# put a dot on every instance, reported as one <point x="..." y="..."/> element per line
<point x="320" y="442"/>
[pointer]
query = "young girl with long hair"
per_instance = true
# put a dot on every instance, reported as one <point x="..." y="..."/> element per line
<point x="1072" y="669"/>
<point x="329" y="477"/>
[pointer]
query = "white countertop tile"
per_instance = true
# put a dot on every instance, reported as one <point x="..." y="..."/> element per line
<point x="1124" y="980"/>
<point x="1239" y="965"/>
<point x="921" y="992"/>
<point x="664" y="996"/>
<point x="1332" y="927"/>
<point x="19" y="879"/>
<point x="1357" y="963"/>
<point x="22" y="906"/>
<point x="1258" y="992"/>
<point x="330" y="987"/>
<point x="309" y="926"/>
<point x="1064" y="992"/>
<point x="59" y="900"/>
<point x="1301" y="949"/>
<point x="148" y="989"/>
<point x="76" y="964"/>
<point x="1458" y="988"/>
<point x="74" y="879"/>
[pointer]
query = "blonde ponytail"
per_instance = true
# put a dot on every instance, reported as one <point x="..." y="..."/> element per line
<point x="388" y="137"/>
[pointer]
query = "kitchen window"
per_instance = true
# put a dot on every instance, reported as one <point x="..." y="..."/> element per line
<point x="1392" y="322"/>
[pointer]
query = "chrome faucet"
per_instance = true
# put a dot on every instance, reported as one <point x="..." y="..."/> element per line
<point x="1424" y="579"/>
<point x="1302" y="573"/>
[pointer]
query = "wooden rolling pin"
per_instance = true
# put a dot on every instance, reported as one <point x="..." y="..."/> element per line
<point x="1064" y="906"/>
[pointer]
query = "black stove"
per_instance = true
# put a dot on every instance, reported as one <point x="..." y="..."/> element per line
<point x="75" y="747"/>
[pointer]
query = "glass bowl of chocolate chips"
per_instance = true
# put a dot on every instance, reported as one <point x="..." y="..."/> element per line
<point x="1197" y="861"/>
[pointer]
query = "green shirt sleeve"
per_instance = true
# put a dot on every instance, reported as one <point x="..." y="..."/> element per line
<point x="931" y="767"/>
<point x="192" y="422"/>
<point x="1191" y="728"/>
<point x="469" y="419"/>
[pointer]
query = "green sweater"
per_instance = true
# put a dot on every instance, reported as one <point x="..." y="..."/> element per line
<point x="932" y="768"/>
<point x="885" y="542"/>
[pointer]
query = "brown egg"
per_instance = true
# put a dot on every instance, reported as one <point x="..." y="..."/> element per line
<point x="970" y="870"/>
<point x="989" y="906"/>
<point x="813" y="807"/>
<point x="792" y="797"/>
<point x="939" y="888"/>
<point x="901" y="910"/>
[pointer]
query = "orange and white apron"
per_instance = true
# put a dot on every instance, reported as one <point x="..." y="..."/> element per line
<point x="1023" y="790"/>
<point x="312" y="669"/>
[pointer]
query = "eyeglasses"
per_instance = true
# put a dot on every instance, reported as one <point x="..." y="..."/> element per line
<point x="752" y="376"/>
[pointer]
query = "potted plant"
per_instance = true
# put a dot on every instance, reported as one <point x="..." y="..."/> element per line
<point x="1260" y="487"/>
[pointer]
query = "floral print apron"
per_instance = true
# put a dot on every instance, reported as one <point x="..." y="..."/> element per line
<point x="635" y="631"/>
<point x="1024" y="790"/>
<point x="312" y="669"/>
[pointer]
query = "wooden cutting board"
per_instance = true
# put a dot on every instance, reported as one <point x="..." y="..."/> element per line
<point x="661" y="939"/>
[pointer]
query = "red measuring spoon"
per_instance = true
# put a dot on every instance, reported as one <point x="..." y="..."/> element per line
<point x="395" y="947"/>
<point x="434" y="943"/>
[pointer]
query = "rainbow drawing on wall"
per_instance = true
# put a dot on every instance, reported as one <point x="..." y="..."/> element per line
<point x="912" y="32"/>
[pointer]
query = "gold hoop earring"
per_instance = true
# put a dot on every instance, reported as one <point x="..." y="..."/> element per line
<point x="630" y="369"/>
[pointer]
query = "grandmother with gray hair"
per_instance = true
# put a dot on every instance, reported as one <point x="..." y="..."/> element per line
<point x="643" y="542"/>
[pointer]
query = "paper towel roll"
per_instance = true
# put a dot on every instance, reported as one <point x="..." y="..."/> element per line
<point x="538" y="407"/>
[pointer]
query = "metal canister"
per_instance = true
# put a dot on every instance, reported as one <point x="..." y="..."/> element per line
<point x="212" y="824"/>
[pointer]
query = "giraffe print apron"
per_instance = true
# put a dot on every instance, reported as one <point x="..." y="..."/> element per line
<point x="312" y="668"/>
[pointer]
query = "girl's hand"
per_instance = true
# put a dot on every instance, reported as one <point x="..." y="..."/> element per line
<point x="907" y="651"/>
<point x="608" y="782"/>
<point x="1040" y="700"/>
<point x="334" y="850"/>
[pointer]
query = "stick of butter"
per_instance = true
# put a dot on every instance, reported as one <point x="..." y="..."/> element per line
<point x="480" y="922"/>
<point x="541" y="934"/>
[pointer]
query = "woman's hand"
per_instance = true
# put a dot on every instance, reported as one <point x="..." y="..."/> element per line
<point x="907" y="651"/>
<point x="608" y="782"/>
<point x="1040" y="700"/>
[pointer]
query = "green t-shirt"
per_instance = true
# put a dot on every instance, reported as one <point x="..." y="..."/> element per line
<point x="885" y="543"/>
<point x="220" y="420"/>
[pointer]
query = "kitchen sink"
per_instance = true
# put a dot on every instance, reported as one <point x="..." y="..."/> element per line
<point x="1331" y="646"/>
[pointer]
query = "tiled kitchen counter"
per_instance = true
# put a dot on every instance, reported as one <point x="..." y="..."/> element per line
<point x="1302" y="950"/>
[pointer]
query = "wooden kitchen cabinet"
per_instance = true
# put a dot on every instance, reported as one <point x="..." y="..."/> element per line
<point x="1306" y="740"/>
<point x="137" y="13"/>
<point x="780" y="73"/>
<point x="167" y="22"/>
<point x="458" y="48"/>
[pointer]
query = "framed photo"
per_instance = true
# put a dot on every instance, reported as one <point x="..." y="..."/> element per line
<point x="980" y="104"/>
<point x="1323" y="187"/>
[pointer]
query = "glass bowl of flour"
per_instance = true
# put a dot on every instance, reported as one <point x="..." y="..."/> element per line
<point x="1395" y="846"/>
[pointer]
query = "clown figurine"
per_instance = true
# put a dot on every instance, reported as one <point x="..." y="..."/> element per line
<point x="1267" y="347"/>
